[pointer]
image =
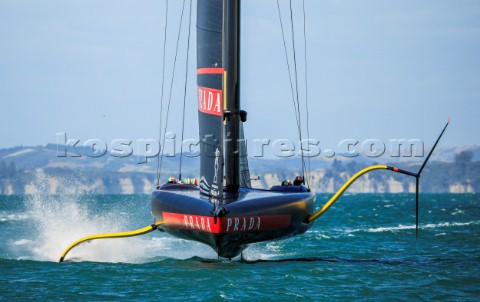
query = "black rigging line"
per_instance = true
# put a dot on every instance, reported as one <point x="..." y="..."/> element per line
<point x="306" y="92"/>
<point x="185" y="89"/>
<point x="295" y="101"/>
<point x="296" y="90"/>
<point x="288" y="66"/>
<point x="163" y="82"/>
<point x="171" y="85"/>
<point x="288" y="62"/>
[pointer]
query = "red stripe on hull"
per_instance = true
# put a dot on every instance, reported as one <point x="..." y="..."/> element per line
<point x="227" y="224"/>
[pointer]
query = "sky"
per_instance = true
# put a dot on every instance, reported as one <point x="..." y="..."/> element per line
<point x="376" y="70"/>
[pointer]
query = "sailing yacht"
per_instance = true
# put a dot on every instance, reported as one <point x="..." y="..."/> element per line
<point x="224" y="212"/>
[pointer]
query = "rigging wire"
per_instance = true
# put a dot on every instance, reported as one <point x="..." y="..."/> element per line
<point x="306" y="92"/>
<point x="185" y="89"/>
<point x="171" y="85"/>
<point x="288" y="62"/>
<point x="296" y="90"/>
<point x="295" y="101"/>
<point x="163" y="84"/>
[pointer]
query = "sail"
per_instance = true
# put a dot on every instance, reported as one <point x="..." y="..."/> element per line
<point x="210" y="95"/>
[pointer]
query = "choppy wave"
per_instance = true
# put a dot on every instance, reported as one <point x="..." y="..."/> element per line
<point x="412" y="227"/>
<point x="7" y="217"/>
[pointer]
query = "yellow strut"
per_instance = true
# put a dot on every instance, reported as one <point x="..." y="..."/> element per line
<point x="342" y="189"/>
<point x="138" y="232"/>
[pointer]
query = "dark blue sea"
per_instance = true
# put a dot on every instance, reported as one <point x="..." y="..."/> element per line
<point x="363" y="248"/>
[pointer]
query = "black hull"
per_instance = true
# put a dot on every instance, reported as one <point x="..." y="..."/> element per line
<point x="251" y="216"/>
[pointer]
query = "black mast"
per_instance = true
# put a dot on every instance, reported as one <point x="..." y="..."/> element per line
<point x="231" y="63"/>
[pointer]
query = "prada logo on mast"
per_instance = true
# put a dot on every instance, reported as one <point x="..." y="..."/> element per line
<point x="210" y="100"/>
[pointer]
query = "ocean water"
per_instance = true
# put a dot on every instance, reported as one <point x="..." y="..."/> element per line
<point x="363" y="248"/>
